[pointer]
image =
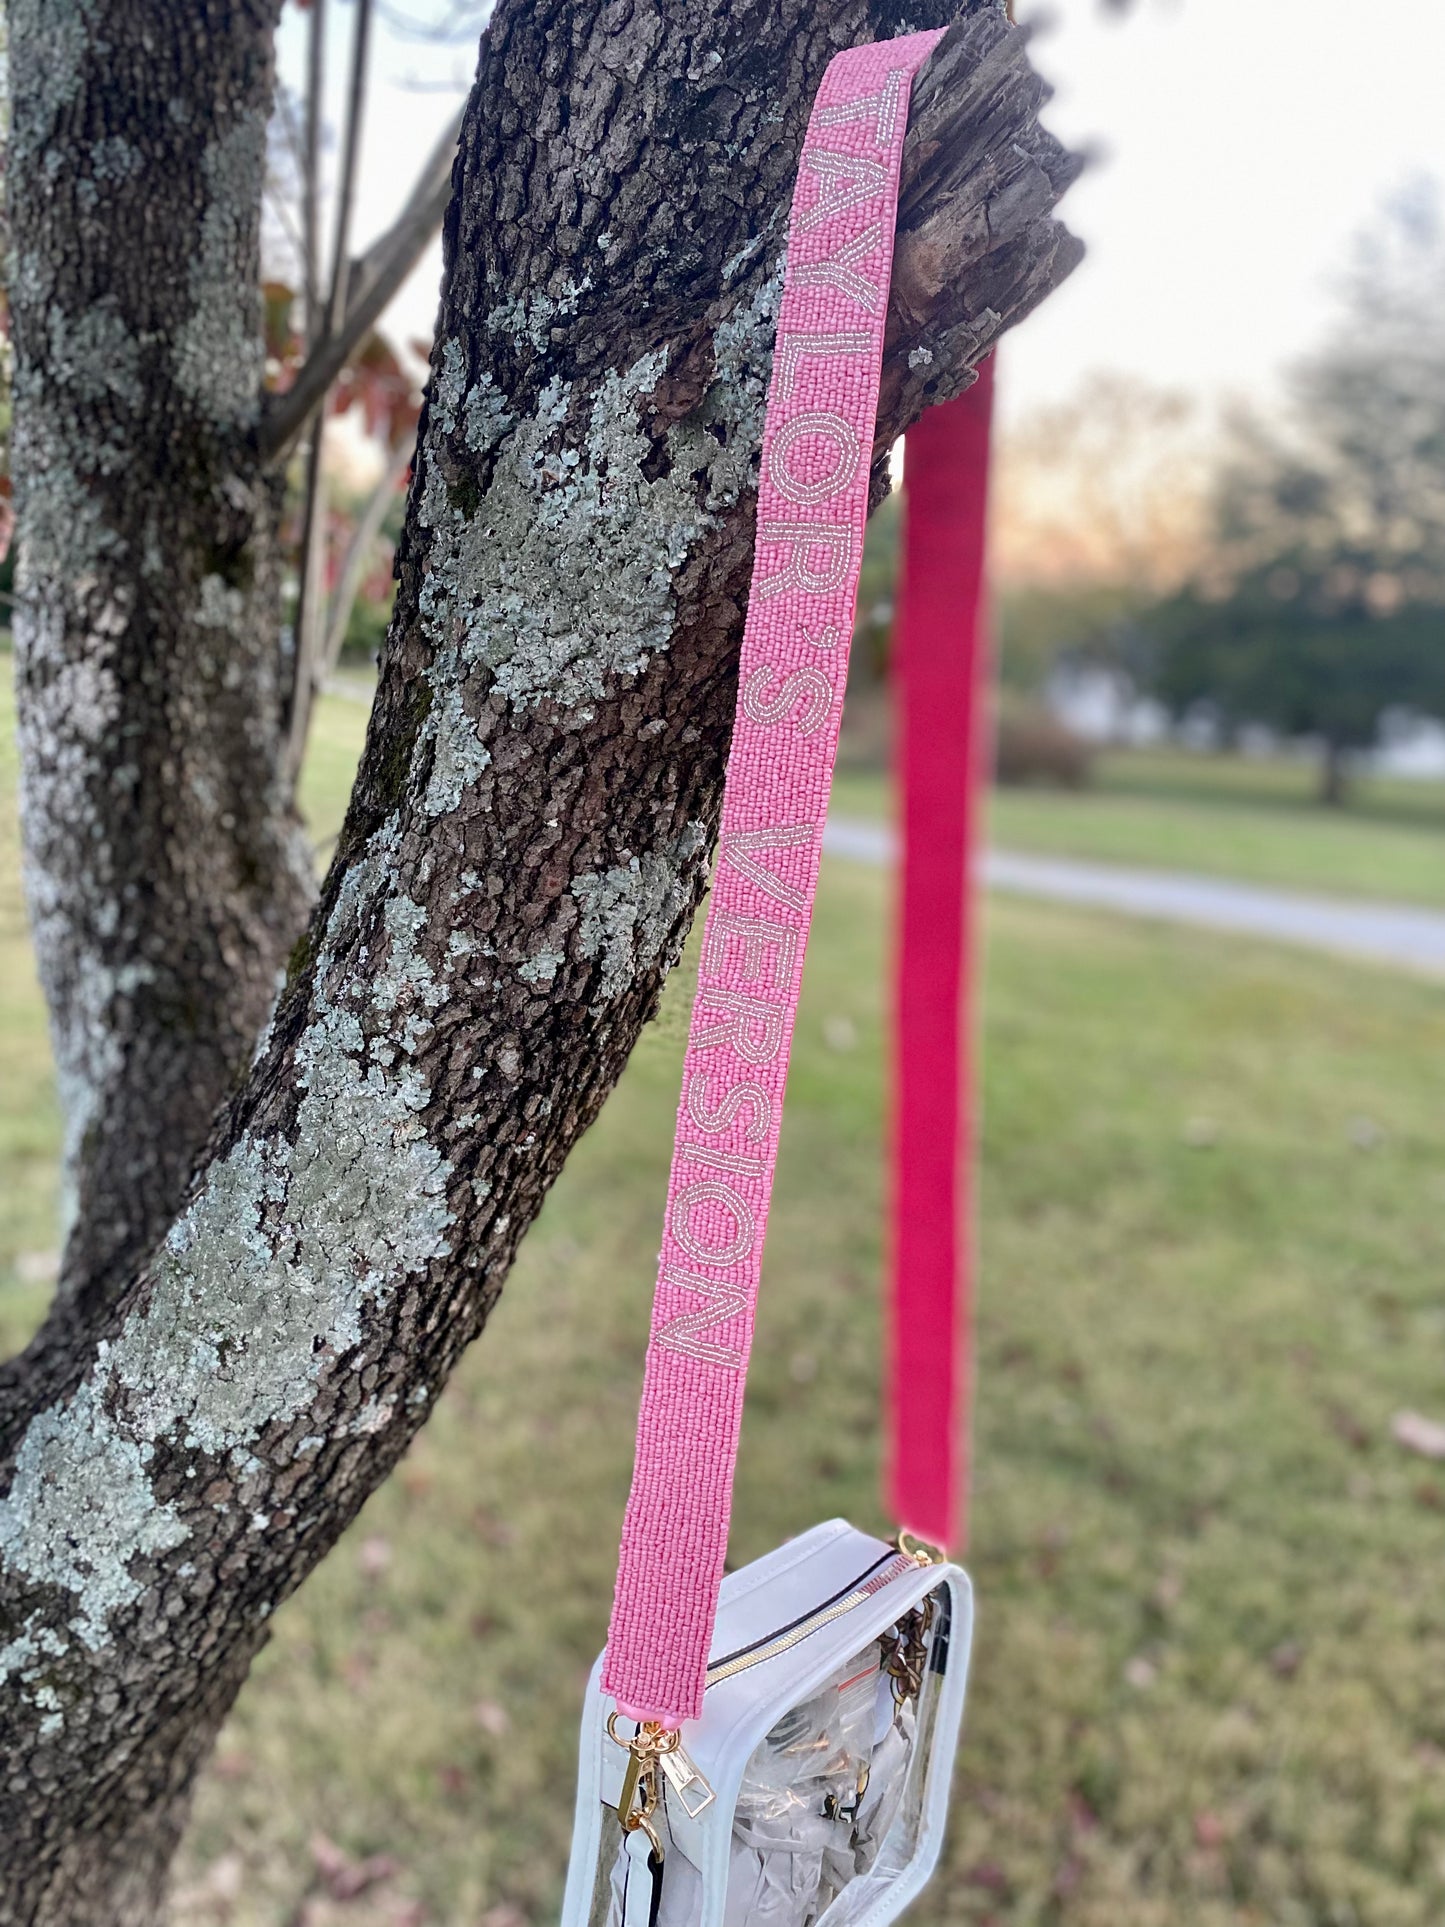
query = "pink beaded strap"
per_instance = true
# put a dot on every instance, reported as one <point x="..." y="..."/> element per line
<point x="812" y="505"/>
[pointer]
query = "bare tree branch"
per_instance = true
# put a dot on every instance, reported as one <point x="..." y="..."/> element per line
<point x="375" y="278"/>
<point x="167" y="875"/>
<point x="311" y="568"/>
<point x="461" y="22"/>
<point x="311" y="166"/>
<point x="285" y="190"/>
<point x="350" y="155"/>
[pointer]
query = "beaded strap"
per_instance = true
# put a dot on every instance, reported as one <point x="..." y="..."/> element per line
<point x="937" y="664"/>
<point x="812" y="506"/>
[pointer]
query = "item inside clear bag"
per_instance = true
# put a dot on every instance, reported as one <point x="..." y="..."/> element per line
<point x="831" y="1800"/>
<point x="889" y="1836"/>
<point x="813" y="1793"/>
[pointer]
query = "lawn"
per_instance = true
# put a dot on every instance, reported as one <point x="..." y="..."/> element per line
<point x="1228" y="816"/>
<point x="1210" y="1678"/>
<point x="29" y="1114"/>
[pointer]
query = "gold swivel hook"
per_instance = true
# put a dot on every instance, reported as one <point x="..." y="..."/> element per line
<point x="638" y="1800"/>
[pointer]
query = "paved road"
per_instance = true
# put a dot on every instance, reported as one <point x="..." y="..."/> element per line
<point x="1389" y="933"/>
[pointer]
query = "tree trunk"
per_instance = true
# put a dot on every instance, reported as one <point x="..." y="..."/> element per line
<point x="1334" y="776"/>
<point x="524" y="850"/>
<point x="165" y="874"/>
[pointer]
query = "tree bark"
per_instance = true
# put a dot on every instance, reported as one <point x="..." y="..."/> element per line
<point x="165" y="874"/>
<point x="525" y="848"/>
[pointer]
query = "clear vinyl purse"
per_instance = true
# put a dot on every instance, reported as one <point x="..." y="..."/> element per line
<point x="775" y="1746"/>
<point x="815" y="1785"/>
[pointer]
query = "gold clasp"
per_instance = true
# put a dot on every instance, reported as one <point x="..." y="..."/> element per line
<point x="921" y="1554"/>
<point x="637" y="1803"/>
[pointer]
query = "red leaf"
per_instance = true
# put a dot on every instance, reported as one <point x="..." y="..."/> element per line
<point x="344" y="1877"/>
<point x="1209" y="1829"/>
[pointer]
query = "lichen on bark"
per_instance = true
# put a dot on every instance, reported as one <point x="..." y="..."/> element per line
<point x="532" y="582"/>
<point x="630" y="913"/>
<point x="218" y="353"/>
<point x="262" y="1283"/>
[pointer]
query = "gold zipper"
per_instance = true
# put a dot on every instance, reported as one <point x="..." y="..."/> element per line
<point x="784" y="1642"/>
<point x="691" y="1787"/>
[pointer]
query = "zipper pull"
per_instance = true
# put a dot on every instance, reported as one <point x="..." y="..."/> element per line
<point x="694" y="1794"/>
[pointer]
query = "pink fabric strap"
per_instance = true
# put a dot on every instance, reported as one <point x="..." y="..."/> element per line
<point x="938" y="663"/>
<point x="812" y="506"/>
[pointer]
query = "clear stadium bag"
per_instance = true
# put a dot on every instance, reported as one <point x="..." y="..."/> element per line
<point x="815" y="1783"/>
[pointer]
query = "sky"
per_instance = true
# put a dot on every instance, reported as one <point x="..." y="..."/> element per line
<point x="1241" y="146"/>
<point x="1246" y="144"/>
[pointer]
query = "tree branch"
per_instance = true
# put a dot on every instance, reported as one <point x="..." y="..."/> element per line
<point x="311" y="569"/>
<point x="374" y="279"/>
<point x="311" y="165"/>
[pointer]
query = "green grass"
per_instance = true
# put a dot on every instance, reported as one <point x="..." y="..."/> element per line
<point x="1210" y="1679"/>
<point x="1223" y="816"/>
<point x="332" y="749"/>
<point x="29" y="1114"/>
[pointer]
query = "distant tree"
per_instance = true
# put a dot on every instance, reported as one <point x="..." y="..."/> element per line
<point x="1322" y="605"/>
<point x="1100" y="506"/>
